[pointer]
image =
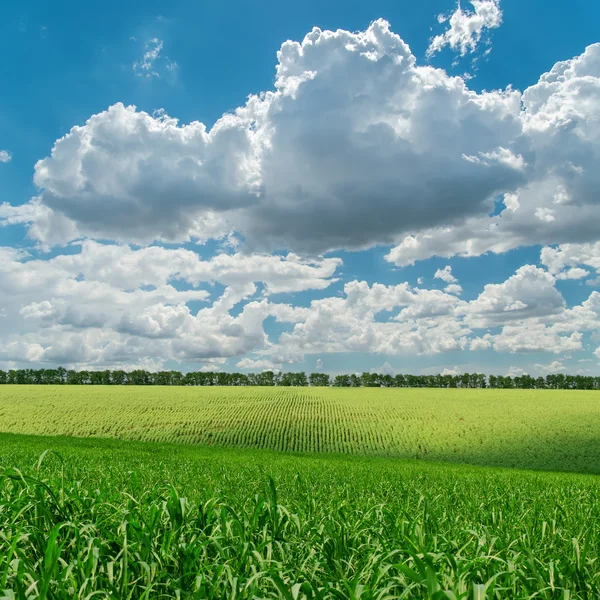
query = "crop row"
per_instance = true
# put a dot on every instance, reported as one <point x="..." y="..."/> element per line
<point x="543" y="429"/>
<point x="107" y="519"/>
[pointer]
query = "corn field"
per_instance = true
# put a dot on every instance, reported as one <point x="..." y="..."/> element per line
<point x="110" y="519"/>
<point x="540" y="429"/>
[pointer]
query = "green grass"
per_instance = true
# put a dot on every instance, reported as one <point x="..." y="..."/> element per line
<point x="114" y="519"/>
<point x="367" y="501"/>
<point x="547" y="430"/>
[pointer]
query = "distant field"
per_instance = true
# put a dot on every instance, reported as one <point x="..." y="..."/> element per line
<point x="114" y="519"/>
<point x="551" y="430"/>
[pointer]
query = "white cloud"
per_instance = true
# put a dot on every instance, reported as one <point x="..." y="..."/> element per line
<point x="5" y="156"/>
<point x="260" y="364"/>
<point x="357" y="145"/>
<point x="529" y="293"/>
<point x="511" y="201"/>
<point x="319" y="364"/>
<point x="111" y="305"/>
<point x="481" y="343"/>
<point x="554" y="367"/>
<point x="466" y="27"/>
<point x="558" y="204"/>
<point x="453" y="288"/>
<point x="385" y="369"/>
<point x="545" y="214"/>
<point x="535" y="338"/>
<point x="453" y="372"/>
<point x="574" y="273"/>
<point x="423" y="325"/>
<point x="516" y="372"/>
<point x="566" y="261"/>
<point x="145" y="66"/>
<point x="445" y="274"/>
<point x="332" y="158"/>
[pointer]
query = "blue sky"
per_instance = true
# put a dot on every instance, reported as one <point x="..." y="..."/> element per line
<point x="364" y="168"/>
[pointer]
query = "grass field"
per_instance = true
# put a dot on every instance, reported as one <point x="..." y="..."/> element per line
<point x="113" y="519"/>
<point x="99" y="517"/>
<point x="549" y="430"/>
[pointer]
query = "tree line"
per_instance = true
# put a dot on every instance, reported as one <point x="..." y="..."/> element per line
<point x="63" y="376"/>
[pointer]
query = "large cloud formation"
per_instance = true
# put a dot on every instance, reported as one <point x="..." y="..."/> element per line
<point x="356" y="146"/>
<point x="559" y="203"/>
<point x="112" y="305"/>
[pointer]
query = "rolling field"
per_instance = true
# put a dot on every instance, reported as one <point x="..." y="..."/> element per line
<point x="298" y="494"/>
<point x="549" y="430"/>
<point x="112" y="519"/>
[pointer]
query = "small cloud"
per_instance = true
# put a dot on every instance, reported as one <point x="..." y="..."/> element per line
<point x="5" y="156"/>
<point x="453" y="288"/>
<point x="516" y="372"/>
<point x="319" y="364"/>
<point x="385" y="369"/>
<point x="554" y="367"/>
<point x="260" y="364"/>
<point x="545" y="214"/>
<point x="445" y="274"/>
<point x="453" y="372"/>
<point x="466" y="28"/>
<point x="573" y="273"/>
<point x="145" y="67"/>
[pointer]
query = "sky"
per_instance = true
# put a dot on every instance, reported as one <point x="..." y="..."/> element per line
<point x="339" y="186"/>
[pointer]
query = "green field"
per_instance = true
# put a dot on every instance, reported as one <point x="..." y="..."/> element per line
<point x="550" y="430"/>
<point x="143" y="520"/>
<point x="119" y="518"/>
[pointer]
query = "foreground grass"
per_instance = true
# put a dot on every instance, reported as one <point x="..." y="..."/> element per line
<point x="549" y="430"/>
<point x="111" y="519"/>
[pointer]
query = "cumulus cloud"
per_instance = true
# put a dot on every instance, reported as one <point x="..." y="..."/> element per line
<point x="516" y="372"/>
<point x="445" y="274"/>
<point x="385" y="369"/>
<point x="355" y="145"/>
<point x="453" y="288"/>
<point x="567" y="261"/>
<point x="424" y="323"/>
<point x="258" y="364"/>
<point x="109" y="304"/>
<point x="554" y="367"/>
<point x="5" y="156"/>
<point x="560" y="143"/>
<point x="453" y="372"/>
<point x="529" y="293"/>
<point x="465" y="28"/>
<point x="535" y="337"/>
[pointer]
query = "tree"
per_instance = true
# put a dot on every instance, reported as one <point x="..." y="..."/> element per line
<point x="319" y="380"/>
<point x="341" y="381"/>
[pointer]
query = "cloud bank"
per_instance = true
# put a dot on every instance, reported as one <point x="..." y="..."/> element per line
<point x="357" y="145"/>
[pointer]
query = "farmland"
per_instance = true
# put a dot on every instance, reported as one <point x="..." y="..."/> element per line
<point x="535" y="429"/>
<point x="146" y="520"/>
<point x="301" y="494"/>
